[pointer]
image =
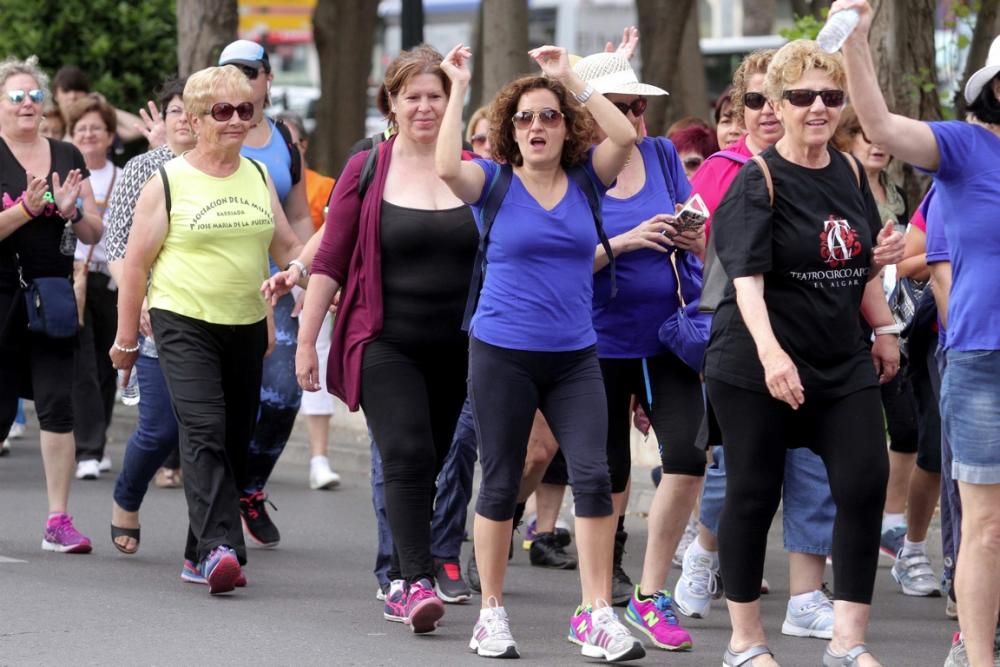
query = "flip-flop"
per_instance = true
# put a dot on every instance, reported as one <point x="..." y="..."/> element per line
<point x="118" y="531"/>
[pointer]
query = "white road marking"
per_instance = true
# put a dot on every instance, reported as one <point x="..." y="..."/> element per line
<point x="4" y="559"/>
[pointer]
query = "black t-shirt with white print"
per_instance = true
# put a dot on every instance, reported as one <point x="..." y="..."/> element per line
<point x="814" y="249"/>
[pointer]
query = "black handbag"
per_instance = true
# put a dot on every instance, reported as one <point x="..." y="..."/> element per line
<point x="51" y="305"/>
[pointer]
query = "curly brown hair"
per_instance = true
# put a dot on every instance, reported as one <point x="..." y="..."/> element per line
<point x="422" y="59"/>
<point x="754" y="63"/>
<point x="579" y="123"/>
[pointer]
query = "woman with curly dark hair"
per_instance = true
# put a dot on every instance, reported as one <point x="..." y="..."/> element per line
<point x="533" y="344"/>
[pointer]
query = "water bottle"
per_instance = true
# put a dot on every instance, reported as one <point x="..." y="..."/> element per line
<point x="837" y="29"/>
<point x="147" y="348"/>
<point x="130" y="392"/>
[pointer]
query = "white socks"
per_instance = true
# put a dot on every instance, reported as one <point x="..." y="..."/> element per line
<point x="697" y="550"/>
<point x="913" y="548"/>
<point x="891" y="520"/>
<point x="802" y="599"/>
<point x="319" y="461"/>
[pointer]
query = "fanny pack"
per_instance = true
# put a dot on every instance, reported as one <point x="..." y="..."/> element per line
<point x="51" y="305"/>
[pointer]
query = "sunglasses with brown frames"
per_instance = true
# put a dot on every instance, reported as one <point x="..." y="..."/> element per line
<point x="549" y="118"/>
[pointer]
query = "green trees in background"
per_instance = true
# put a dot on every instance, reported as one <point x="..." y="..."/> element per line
<point x="126" y="47"/>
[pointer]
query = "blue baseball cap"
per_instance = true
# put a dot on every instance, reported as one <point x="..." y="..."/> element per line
<point x="245" y="52"/>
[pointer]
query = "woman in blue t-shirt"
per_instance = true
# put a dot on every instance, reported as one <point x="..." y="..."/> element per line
<point x="533" y="344"/>
<point x="965" y="161"/>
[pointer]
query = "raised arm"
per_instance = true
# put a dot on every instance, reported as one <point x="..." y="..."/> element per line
<point x="910" y="140"/>
<point x="464" y="178"/>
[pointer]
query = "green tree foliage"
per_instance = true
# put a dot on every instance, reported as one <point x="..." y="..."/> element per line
<point x="126" y="47"/>
<point x="805" y="27"/>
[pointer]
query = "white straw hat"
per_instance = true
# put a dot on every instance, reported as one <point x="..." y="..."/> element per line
<point x="611" y="73"/>
<point x="985" y="74"/>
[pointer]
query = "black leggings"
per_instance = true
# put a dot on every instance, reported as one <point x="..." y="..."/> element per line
<point x="675" y="413"/>
<point x="412" y="396"/>
<point x="505" y="388"/>
<point x="847" y="433"/>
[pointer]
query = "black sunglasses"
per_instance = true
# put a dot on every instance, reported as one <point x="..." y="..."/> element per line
<point x="801" y="97"/>
<point x="693" y="162"/>
<point x="223" y="111"/>
<point x="755" y="101"/>
<point x="549" y="117"/>
<point x="637" y="106"/>
<point x="250" y="72"/>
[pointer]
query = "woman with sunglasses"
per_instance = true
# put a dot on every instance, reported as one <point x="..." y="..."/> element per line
<point x="204" y="225"/>
<point x="787" y="364"/>
<point x="47" y="205"/>
<point x="533" y="344"/>
<point x="269" y="143"/>
<point x="477" y="132"/>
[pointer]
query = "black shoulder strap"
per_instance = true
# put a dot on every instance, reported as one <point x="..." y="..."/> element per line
<point x="166" y="188"/>
<point x="293" y="151"/>
<point x="499" y="185"/>
<point x="368" y="168"/>
<point x="584" y="182"/>
<point x="259" y="169"/>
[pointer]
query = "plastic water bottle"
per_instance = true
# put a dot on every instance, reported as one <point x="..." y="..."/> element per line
<point x="130" y="392"/>
<point x="837" y="29"/>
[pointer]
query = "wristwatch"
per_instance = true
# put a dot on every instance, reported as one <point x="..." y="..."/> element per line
<point x="298" y="263"/>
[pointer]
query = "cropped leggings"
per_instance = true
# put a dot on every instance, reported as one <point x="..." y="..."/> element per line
<point x="847" y="433"/>
<point x="505" y="388"/>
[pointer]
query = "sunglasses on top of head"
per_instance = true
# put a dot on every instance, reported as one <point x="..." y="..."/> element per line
<point x="636" y="106"/>
<point x="549" y="118"/>
<point x="223" y="111"/>
<point x="805" y="98"/>
<point x="17" y="96"/>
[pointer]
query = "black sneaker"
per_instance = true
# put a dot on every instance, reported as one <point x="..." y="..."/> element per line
<point x="621" y="585"/>
<point x="546" y="552"/>
<point x="472" y="574"/>
<point x="448" y="582"/>
<point x="256" y="523"/>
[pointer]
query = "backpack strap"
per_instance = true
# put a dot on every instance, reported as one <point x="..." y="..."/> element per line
<point x="662" y="157"/>
<point x="584" y="182"/>
<point x="166" y="188"/>
<point x="259" y="169"/>
<point x="368" y="168"/>
<point x="762" y="163"/>
<point x="293" y="151"/>
<point x="499" y="185"/>
<point x="730" y="155"/>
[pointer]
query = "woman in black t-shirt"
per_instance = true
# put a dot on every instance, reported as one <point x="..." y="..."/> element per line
<point x="47" y="204"/>
<point x="787" y="363"/>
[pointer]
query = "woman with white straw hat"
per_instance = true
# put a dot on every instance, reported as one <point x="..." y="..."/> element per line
<point x="964" y="158"/>
<point x="647" y="242"/>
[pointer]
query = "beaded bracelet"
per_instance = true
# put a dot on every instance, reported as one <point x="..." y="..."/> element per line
<point x="28" y="210"/>
<point x="127" y="350"/>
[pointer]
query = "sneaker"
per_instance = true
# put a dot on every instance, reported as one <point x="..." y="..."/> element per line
<point x="957" y="656"/>
<point x="220" y="569"/>
<point x="423" y="607"/>
<point x="88" y="469"/>
<point x="621" y="583"/>
<point x="472" y="573"/>
<point x="546" y="552"/>
<point x="256" y="522"/>
<point x="395" y="602"/>
<point x="190" y="574"/>
<point x="697" y="585"/>
<point x="892" y="541"/>
<point x="608" y="638"/>
<point x="60" y="536"/>
<point x="814" y="619"/>
<point x="563" y="536"/>
<point x="491" y="637"/>
<point x="381" y="591"/>
<point x="321" y="476"/>
<point x="951" y="608"/>
<point x="655" y="618"/>
<point x="16" y="431"/>
<point x="915" y="575"/>
<point x="529" y="532"/>
<point x="689" y="536"/>
<point x="105" y="464"/>
<point x="5" y="447"/>
<point x="448" y="582"/>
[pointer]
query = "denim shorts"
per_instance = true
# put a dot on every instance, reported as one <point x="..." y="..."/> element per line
<point x="970" y="414"/>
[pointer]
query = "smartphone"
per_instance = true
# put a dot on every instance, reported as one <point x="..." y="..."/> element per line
<point x="693" y="215"/>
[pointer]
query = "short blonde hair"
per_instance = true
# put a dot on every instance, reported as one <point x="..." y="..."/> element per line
<point x="205" y="86"/>
<point x="12" y="66"/>
<point x="794" y="59"/>
<point x="482" y="113"/>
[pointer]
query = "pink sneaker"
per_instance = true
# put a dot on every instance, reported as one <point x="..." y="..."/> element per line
<point x="62" y="537"/>
<point x="423" y="607"/>
<point x="655" y="618"/>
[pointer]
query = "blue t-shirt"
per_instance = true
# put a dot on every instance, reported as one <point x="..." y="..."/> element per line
<point x="627" y="325"/>
<point x="936" y="245"/>
<point x="967" y="192"/>
<point x="539" y="284"/>
<point x="276" y="157"/>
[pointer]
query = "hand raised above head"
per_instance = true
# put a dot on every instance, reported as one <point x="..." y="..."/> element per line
<point x="626" y="48"/>
<point x="456" y="64"/>
<point x="554" y="61"/>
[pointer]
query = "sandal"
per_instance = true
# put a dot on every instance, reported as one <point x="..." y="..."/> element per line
<point x="830" y="659"/>
<point x="118" y="531"/>
<point x="733" y="659"/>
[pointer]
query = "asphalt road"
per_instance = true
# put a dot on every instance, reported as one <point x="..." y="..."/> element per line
<point x="311" y="601"/>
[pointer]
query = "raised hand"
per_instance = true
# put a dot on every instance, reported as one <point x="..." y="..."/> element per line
<point x="66" y="193"/>
<point x="864" y="9"/>
<point x="152" y="125"/>
<point x="456" y="64"/>
<point x="628" y="45"/>
<point x="554" y="61"/>
<point x="34" y="194"/>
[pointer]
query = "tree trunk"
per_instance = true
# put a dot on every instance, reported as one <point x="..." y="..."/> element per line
<point x="204" y="27"/>
<point x="344" y="31"/>
<point x="758" y="16"/>
<point x="477" y="96"/>
<point x="987" y="26"/>
<point x="505" y="44"/>
<point x="689" y="90"/>
<point x="662" y="26"/>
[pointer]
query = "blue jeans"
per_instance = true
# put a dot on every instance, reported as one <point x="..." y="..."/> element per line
<point x="808" y="509"/>
<point x="951" y="502"/>
<point x="970" y="414"/>
<point x="155" y="436"/>
<point x="454" y="489"/>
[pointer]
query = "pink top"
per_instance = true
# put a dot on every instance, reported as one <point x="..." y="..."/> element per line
<point x="714" y="176"/>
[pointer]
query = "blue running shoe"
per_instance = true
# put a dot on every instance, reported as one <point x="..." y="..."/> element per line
<point x="220" y="570"/>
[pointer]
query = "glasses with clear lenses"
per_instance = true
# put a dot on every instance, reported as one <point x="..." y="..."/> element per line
<point x="802" y="97"/>
<point x="477" y="139"/>
<point x="223" y="111"/>
<point x="82" y="130"/>
<point x="36" y="95"/>
<point x="549" y="118"/>
<point x="755" y="101"/>
<point x="636" y="106"/>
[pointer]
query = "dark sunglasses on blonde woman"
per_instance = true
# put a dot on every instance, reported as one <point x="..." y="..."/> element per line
<point x="755" y="101"/>
<point x="636" y="106"/>
<point x="549" y="117"/>
<point x="805" y="98"/>
<point x="223" y="111"/>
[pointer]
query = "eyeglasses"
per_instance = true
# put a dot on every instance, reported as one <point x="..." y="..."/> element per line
<point x="223" y="111"/>
<point x="175" y="111"/>
<point x="17" y="96"/>
<point x="250" y="72"/>
<point x="549" y="117"/>
<point x="636" y="106"/>
<point x="755" y="101"/>
<point x="805" y="98"/>
<point x="478" y="139"/>
<point x="81" y="130"/>
<point x="693" y="162"/>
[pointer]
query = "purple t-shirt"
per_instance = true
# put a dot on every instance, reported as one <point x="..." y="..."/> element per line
<point x="538" y="285"/>
<point x="627" y="325"/>
<point x="967" y="194"/>
<point x="936" y="245"/>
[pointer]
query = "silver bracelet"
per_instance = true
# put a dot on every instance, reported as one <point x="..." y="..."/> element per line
<point x="888" y="330"/>
<point x="127" y="350"/>
<point x="585" y="95"/>
<point x="300" y="265"/>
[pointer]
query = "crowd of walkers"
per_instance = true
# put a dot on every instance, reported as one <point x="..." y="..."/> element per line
<point x="758" y="292"/>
